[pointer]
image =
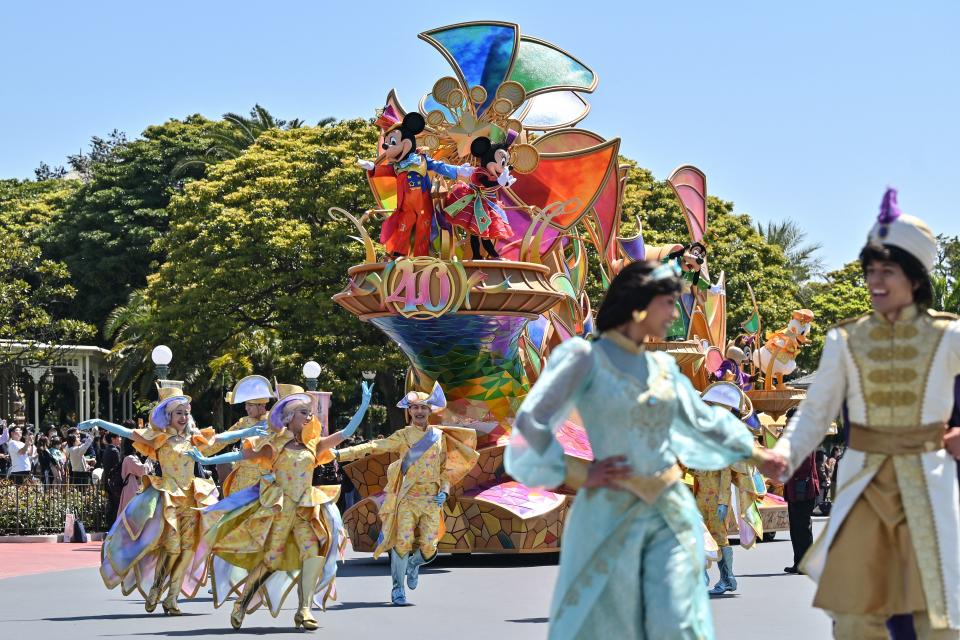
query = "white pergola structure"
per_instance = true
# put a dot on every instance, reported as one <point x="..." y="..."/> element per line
<point x="87" y="364"/>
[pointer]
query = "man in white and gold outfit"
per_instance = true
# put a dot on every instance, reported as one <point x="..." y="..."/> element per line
<point x="892" y="545"/>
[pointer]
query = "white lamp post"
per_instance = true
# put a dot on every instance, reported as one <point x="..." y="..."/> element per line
<point x="311" y="371"/>
<point x="161" y="356"/>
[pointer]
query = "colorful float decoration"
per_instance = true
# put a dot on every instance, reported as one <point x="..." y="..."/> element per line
<point x="484" y="328"/>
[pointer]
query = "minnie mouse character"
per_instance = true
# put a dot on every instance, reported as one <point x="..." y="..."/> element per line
<point x="414" y="212"/>
<point x="475" y="207"/>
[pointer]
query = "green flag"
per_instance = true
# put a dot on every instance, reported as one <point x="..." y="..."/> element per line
<point x="769" y="440"/>
<point x="752" y="324"/>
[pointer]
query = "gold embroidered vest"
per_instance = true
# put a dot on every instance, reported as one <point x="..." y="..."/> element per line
<point x="893" y="362"/>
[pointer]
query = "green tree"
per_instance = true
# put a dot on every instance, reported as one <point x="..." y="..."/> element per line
<point x="802" y="259"/>
<point x="46" y="172"/>
<point x="735" y="248"/>
<point x="253" y="259"/>
<point x="238" y="134"/>
<point x="738" y="250"/>
<point x="840" y="296"/>
<point x="946" y="275"/>
<point x="29" y="207"/>
<point x="31" y="287"/>
<point x="106" y="232"/>
<point x="128" y="328"/>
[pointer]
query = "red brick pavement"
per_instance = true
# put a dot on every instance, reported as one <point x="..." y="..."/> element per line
<point x="22" y="559"/>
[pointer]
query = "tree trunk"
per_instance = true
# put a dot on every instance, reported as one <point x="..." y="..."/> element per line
<point x="390" y="392"/>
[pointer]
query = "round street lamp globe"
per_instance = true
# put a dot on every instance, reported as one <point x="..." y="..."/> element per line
<point x="161" y="355"/>
<point x="311" y="370"/>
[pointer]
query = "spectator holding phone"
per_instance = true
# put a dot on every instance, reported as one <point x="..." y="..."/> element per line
<point x="76" y="450"/>
<point x="22" y="452"/>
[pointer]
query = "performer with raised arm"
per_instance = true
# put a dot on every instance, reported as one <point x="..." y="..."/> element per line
<point x="155" y="545"/>
<point x="633" y="556"/>
<point x="433" y="458"/>
<point x="892" y="545"/>
<point x="282" y="530"/>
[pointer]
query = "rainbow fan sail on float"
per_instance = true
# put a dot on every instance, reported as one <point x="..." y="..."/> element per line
<point x="506" y="84"/>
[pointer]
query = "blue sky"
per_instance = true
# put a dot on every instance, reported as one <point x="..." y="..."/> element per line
<point x="794" y="110"/>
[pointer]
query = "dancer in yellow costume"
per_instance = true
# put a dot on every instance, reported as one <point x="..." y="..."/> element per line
<point x="281" y="532"/>
<point x="432" y="460"/>
<point x="715" y="496"/>
<point x="255" y="393"/>
<point x="892" y="546"/>
<point x="157" y="540"/>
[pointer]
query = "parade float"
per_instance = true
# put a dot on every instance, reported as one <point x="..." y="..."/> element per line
<point x="542" y="191"/>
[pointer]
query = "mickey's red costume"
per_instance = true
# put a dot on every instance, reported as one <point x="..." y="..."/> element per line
<point x="414" y="213"/>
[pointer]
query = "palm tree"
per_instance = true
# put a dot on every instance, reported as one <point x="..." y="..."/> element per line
<point x="253" y="350"/>
<point x="128" y="327"/>
<point x="802" y="259"/>
<point x="241" y="132"/>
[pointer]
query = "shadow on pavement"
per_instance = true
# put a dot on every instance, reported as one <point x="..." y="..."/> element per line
<point x="117" y="616"/>
<point x="473" y="560"/>
<point x="364" y="569"/>
<point x="530" y="620"/>
<point x="219" y="631"/>
<point x="499" y="560"/>
<point x="361" y="605"/>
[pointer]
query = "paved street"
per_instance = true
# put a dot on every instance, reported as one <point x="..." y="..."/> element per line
<point x="490" y="597"/>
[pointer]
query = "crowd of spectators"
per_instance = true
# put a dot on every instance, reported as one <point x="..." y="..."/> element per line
<point x="58" y="456"/>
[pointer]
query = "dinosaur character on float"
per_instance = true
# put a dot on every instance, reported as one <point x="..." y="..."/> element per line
<point x="476" y="207"/>
<point x="778" y="356"/>
<point x="411" y="221"/>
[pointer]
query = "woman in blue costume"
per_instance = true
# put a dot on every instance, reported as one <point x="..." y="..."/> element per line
<point x="632" y="560"/>
<point x="156" y="544"/>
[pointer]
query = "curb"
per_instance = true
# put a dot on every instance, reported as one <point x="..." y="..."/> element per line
<point x="48" y="539"/>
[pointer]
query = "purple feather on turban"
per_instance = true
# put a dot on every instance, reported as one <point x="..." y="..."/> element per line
<point x="889" y="211"/>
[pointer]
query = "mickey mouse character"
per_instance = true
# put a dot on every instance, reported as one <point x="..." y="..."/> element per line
<point x="414" y="212"/>
<point x="475" y="207"/>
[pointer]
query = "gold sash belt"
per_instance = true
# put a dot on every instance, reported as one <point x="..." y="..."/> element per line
<point x="649" y="488"/>
<point x="894" y="441"/>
